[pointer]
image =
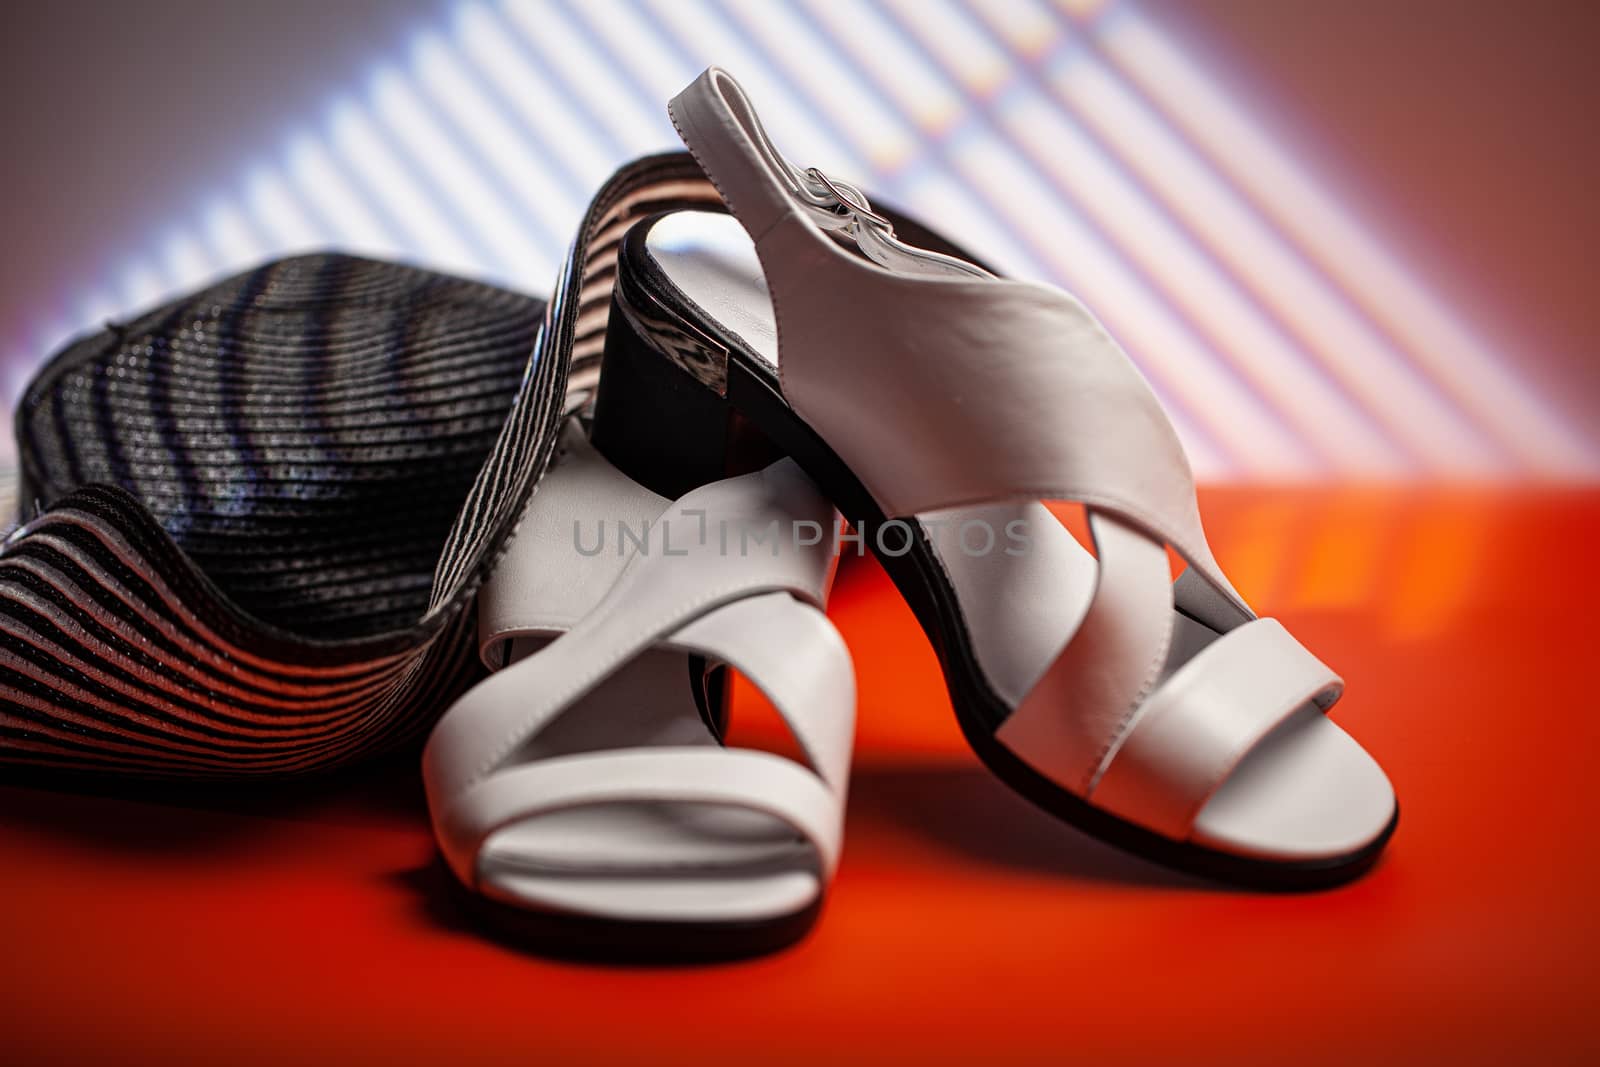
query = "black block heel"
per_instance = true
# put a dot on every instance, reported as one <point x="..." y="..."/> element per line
<point x="660" y="426"/>
<point x="668" y="432"/>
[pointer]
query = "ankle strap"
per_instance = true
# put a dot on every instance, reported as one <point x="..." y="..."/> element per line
<point x="763" y="190"/>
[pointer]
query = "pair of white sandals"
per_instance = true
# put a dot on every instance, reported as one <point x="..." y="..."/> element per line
<point x="584" y="792"/>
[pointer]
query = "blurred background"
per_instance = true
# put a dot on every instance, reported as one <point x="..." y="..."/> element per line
<point x="1345" y="241"/>
<point x="1349" y="242"/>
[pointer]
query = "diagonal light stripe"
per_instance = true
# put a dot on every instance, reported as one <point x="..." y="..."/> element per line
<point x="361" y="147"/>
<point x="232" y="240"/>
<point x="917" y="77"/>
<point x="1074" y="140"/>
<point x="804" y="55"/>
<point x="651" y="67"/>
<point x="977" y="64"/>
<point x="279" y="212"/>
<point x="1077" y="256"/>
<point x="465" y="192"/>
<point x="918" y="90"/>
<point x="1027" y="30"/>
<point x="915" y="83"/>
<point x="582" y="71"/>
<point x="705" y="38"/>
<point x="580" y="147"/>
<point x="1168" y="352"/>
<point x="882" y="135"/>
<point x="185" y="258"/>
<point x="1340" y="431"/>
<point x="343" y="212"/>
<point x="1185" y="273"/>
<point x="1403" y="402"/>
<point x="1363" y="268"/>
<point x="534" y="191"/>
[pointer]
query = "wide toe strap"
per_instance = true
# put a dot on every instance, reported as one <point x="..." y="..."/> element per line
<point x="1192" y="732"/>
<point x="734" y="778"/>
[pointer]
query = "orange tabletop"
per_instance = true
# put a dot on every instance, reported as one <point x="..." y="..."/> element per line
<point x="312" y="923"/>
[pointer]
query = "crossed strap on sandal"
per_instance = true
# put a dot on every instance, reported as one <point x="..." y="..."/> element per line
<point x="587" y="781"/>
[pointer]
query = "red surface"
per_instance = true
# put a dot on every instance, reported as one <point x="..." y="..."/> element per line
<point x="964" y="928"/>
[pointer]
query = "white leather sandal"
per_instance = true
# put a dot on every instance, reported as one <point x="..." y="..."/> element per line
<point x="582" y="795"/>
<point x="938" y="405"/>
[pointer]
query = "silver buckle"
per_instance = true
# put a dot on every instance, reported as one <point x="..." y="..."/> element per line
<point x="842" y="207"/>
<point x="842" y="196"/>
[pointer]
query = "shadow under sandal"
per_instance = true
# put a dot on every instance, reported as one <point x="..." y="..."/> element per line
<point x="939" y="406"/>
<point x="583" y="794"/>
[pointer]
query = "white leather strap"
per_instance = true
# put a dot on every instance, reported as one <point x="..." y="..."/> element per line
<point x="1064" y="725"/>
<point x="1193" y="731"/>
<point x="721" y="129"/>
<point x="674" y="580"/>
<point x="697" y="586"/>
<point x="793" y="654"/>
<point x="568" y="551"/>
<point x="756" y="781"/>
<point x="725" y="135"/>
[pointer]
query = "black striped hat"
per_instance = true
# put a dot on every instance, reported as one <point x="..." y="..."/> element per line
<point x="256" y="517"/>
<point x="239" y="502"/>
<point x="259" y="514"/>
